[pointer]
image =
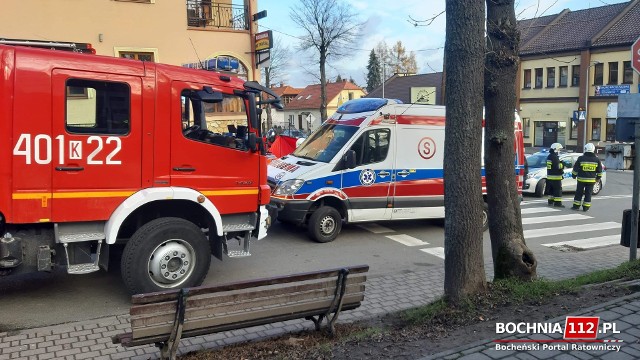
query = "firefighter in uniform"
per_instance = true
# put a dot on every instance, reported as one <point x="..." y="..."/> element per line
<point x="588" y="170"/>
<point x="555" y="170"/>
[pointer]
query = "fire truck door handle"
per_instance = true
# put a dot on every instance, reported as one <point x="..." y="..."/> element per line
<point x="69" y="168"/>
<point x="186" y="169"/>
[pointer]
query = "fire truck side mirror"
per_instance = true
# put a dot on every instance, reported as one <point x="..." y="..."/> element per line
<point x="252" y="141"/>
<point x="350" y="159"/>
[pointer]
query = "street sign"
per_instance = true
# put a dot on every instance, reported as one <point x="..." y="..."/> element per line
<point x="582" y="115"/>
<point x="635" y="55"/>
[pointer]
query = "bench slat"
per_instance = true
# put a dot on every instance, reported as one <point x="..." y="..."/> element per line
<point x="315" y="307"/>
<point x="127" y="340"/>
<point x="169" y="295"/>
<point x="235" y="296"/>
<point x="212" y="309"/>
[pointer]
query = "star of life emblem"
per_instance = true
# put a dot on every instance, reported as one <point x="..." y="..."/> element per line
<point x="367" y="177"/>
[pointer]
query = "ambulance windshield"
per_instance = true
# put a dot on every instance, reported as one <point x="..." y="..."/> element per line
<point x="324" y="144"/>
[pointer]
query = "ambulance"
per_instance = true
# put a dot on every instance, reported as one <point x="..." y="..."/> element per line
<point x="374" y="159"/>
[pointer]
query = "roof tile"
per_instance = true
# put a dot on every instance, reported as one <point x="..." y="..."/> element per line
<point x="573" y="31"/>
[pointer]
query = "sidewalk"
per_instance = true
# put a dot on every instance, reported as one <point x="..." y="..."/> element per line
<point x="623" y="312"/>
<point x="384" y="294"/>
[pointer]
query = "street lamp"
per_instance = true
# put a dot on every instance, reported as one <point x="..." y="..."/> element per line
<point x="586" y="104"/>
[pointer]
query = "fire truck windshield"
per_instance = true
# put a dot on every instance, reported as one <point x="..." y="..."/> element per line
<point x="324" y="144"/>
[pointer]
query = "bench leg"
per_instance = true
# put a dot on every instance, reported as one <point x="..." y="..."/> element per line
<point x="169" y="348"/>
<point x="317" y="322"/>
<point x="336" y="304"/>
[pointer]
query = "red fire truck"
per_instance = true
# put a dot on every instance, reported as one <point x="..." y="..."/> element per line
<point x="99" y="151"/>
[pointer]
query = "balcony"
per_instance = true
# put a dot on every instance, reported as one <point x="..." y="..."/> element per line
<point x="212" y="15"/>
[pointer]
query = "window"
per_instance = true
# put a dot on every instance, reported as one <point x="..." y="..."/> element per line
<point x="595" y="129"/>
<point x="575" y="75"/>
<point x="538" y="78"/>
<point x="350" y="95"/>
<point x="574" y="130"/>
<point x="224" y="123"/>
<point x="103" y="107"/>
<point x="372" y="146"/>
<point x="611" y="129"/>
<point x="564" y="76"/>
<point x="598" y="74"/>
<point x="551" y="77"/>
<point x="526" y="122"/>
<point x="142" y="56"/>
<point x="627" y="77"/>
<point x="613" y="73"/>
<point x="527" y="79"/>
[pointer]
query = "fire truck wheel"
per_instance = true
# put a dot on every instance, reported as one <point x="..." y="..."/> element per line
<point x="485" y="216"/>
<point x="166" y="253"/>
<point x="324" y="224"/>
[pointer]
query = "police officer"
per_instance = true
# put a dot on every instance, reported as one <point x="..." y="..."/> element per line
<point x="554" y="176"/>
<point x="587" y="170"/>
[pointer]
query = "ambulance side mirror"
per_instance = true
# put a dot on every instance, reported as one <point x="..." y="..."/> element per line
<point x="349" y="159"/>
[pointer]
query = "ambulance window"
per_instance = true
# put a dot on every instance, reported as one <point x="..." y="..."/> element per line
<point x="97" y="107"/>
<point x="372" y="146"/>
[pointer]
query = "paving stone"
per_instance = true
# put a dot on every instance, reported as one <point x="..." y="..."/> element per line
<point x="475" y="356"/>
<point x="617" y="356"/>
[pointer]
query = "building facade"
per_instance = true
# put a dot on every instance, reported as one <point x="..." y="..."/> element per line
<point x="412" y="89"/>
<point x="573" y="66"/>
<point x="303" y="111"/>
<point x="217" y="34"/>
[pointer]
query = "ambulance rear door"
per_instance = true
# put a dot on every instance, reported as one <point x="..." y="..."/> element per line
<point x="418" y="190"/>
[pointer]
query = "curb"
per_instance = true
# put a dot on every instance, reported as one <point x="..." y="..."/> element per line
<point x="474" y="344"/>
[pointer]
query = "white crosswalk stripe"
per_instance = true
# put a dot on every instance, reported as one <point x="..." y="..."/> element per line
<point x="553" y="228"/>
<point x="589" y="243"/>
<point x="547" y="219"/>
<point x="407" y="240"/>
<point x="536" y="210"/>
<point x="437" y="251"/>
<point x="570" y="229"/>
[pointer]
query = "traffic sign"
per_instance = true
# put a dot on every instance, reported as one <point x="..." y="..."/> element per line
<point x="635" y="55"/>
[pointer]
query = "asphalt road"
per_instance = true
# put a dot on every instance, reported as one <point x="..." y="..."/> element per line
<point x="387" y="247"/>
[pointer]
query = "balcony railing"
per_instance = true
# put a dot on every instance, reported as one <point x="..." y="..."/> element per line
<point x="207" y="14"/>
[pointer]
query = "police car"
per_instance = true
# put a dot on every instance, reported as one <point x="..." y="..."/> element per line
<point x="536" y="177"/>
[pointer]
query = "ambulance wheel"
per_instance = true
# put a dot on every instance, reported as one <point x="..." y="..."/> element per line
<point x="485" y="216"/>
<point x="540" y="187"/>
<point x="324" y="224"/>
<point x="166" y="253"/>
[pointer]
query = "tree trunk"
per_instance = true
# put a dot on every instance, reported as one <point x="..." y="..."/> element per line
<point x="464" y="50"/>
<point x="511" y="256"/>
<point x="323" y="85"/>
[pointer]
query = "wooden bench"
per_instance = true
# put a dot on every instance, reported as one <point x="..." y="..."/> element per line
<point x="165" y="317"/>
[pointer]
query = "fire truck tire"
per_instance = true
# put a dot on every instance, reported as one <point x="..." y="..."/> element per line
<point x="166" y="253"/>
<point x="324" y="224"/>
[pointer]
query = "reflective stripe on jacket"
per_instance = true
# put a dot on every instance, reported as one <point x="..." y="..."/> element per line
<point x="554" y="166"/>
<point x="587" y="168"/>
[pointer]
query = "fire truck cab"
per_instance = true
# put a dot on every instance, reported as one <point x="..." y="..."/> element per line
<point x="374" y="159"/>
<point x="98" y="151"/>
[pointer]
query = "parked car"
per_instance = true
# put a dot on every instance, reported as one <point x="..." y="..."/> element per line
<point x="536" y="177"/>
<point x="293" y="133"/>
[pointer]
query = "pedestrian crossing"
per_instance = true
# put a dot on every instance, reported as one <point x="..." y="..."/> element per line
<point x="558" y="229"/>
